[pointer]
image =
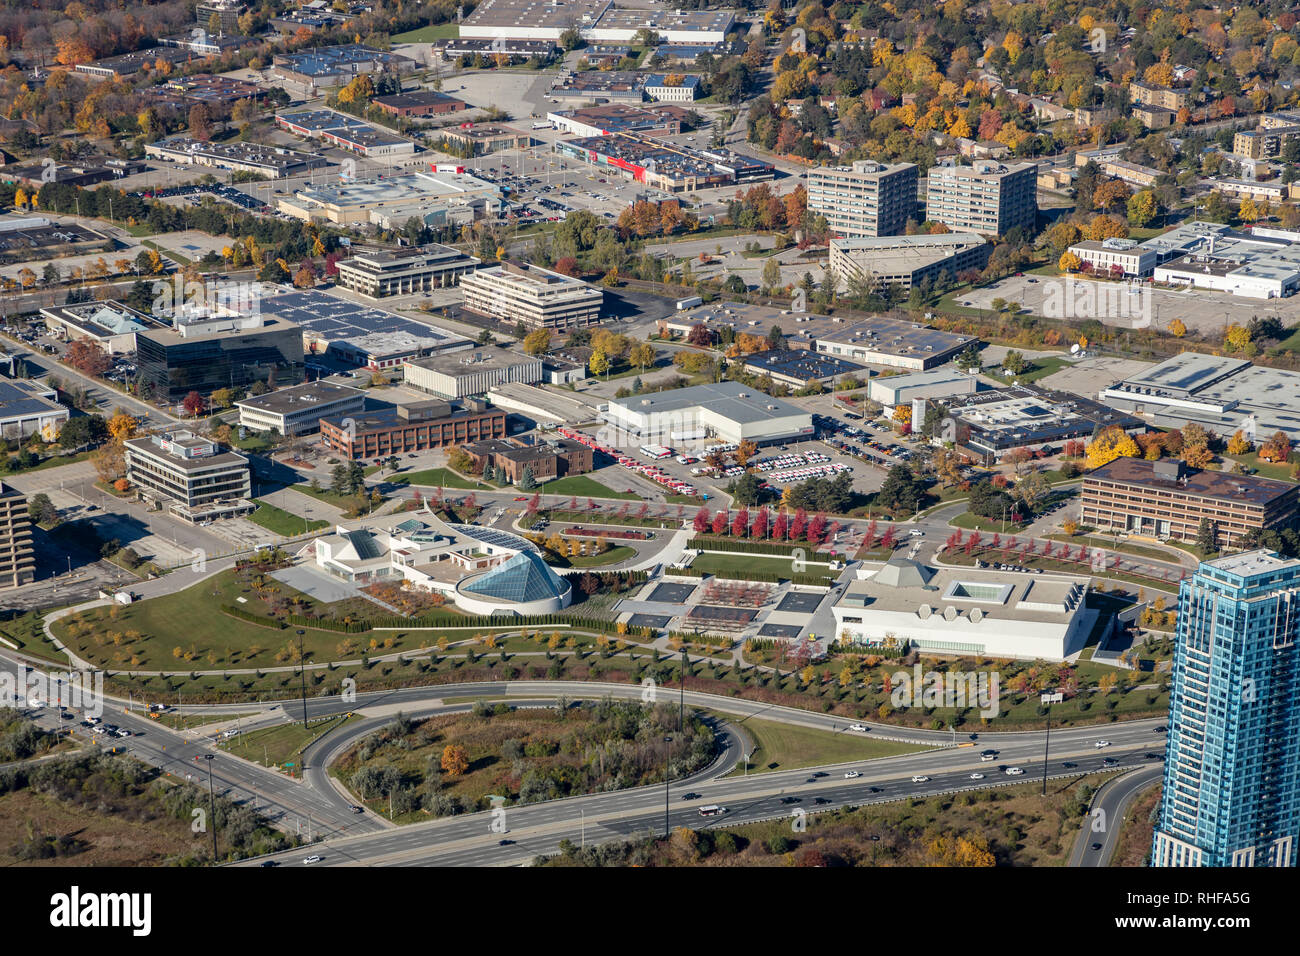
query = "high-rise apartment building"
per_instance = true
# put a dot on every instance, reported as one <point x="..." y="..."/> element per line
<point x="988" y="197"/>
<point x="17" y="559"/>
<point x="864" y="200"/>
<point x="1232" y="763"/>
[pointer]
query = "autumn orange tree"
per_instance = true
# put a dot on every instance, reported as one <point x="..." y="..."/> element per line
<point x="455" y="761"/>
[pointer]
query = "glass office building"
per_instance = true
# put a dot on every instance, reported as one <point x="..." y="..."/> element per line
<point x="204" y="358"/>
<point x="1232" y="773"/>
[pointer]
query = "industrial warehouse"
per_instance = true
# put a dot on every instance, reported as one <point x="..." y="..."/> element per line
<point x="666" y="166"/>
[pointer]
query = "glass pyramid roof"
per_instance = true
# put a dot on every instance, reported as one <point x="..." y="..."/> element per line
<point x="525" y="577"/>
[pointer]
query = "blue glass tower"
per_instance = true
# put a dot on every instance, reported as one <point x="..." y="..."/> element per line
<point x="1232" y="772"/>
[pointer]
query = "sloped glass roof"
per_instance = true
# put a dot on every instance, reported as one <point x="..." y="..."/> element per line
<point x="365" y="544"/>
<point x="525" y="577"/>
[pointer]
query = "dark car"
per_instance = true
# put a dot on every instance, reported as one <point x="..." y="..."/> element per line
<point x="1069" y="766"/>
<point x="357" y="809"/>
<point x="1096" y="846"/>
<point x="690" y="796"/>
<point x="873" y="789"/>
<point x="1162" y="729"/>
<point x="505" y="843"/>
<point x="269" y="863"/>
<point x="789" y="799"/>
<point x="820" y="800"/>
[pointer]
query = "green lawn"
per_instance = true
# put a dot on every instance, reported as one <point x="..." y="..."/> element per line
<point x="54" y="461"/>
<point x="437" y="478"/>
<point x="787" y="747"/>
<point x="721" y="564"/>
<point x="613" y="556"/>
<point x="1037" y="368"/>
<point x="1265" y="469"/>
<point x="973" y="522"/>
<point x="190" y="721"/>
<point x="191" y="620"/>
<point x="581" y="485"/>
<point x="283" y="522"/>
<point x="345" y="502"/>
<point x="439" y="31"/>
<point x="278" y="746"/>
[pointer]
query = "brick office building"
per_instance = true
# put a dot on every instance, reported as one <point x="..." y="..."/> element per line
<point x="553" y="458"/>
<point x="1166" y="499"/>
<point x="407" y="428"/>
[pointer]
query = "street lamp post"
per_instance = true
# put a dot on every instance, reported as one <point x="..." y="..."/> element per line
<point x="667" y="758"/>
<point x="302" y="678"/>
<point x="212" y="807"/>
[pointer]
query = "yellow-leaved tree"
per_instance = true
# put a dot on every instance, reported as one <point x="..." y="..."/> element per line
<point x="1111" y="442"/>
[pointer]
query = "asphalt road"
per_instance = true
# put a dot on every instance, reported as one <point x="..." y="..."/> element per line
<point x="1111" y="801"/>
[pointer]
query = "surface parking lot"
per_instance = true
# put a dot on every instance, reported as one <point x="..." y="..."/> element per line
<point x="1112" y="304"/>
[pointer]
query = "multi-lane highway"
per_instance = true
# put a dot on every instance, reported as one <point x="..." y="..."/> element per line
<point x="314" y="805"/>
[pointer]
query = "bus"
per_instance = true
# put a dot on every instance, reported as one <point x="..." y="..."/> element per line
<point x="712" y="811"/>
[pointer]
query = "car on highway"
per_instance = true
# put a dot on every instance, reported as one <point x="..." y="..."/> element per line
<point x="357" y="809"/>
<point x="850" y="774"/>
<point x="690" y="796"/>
<point x="977" y="776"/>
<point x="987" y="758"/>
<point x="1102" y="743"/>
<point x="1069" y="765"/>
<point x="1109" y="762"/>
<point x="860" y="728"/>
<point x="505" y="842"/>
<point x="1162" y="729"/>
<point x="820" y="800"/>
<point x="920" y="778"/>
<point x="1014" y="771"/>
<point x="1096" y="846"/>
<point x="314" y="858"/>
<point x="789" y="799"/>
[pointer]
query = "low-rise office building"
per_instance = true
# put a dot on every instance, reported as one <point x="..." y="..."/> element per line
<point x="907" y="261"/>
<point x="479" y="139"/>
<point x="17" y="556"/>
<point x="345" y="132"/>
<point x="539" y="298"/>
<point x="965" y="611"/>
<point x="110" y="325"/>
<point x="335" y="65"/>
<point x="1104" y="256"/>
<point x="189" y="475"/>
<point x="297" y="410"/>
<point x="28" y="407"/>
<point x="547" y="459"/>
<point x="941" y="383"/>
<point x="474" y="372"/>
<point x="404" y="271"/>
<point x="419" y="103"/>
<point x="415" y="427"/>
<point x="1167" y="499"/>
<point x="435" y="198"/>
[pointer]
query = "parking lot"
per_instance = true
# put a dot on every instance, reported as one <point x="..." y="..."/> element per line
<point x="1112" y="303"/>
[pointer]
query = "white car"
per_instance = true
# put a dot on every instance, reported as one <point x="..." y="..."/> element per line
<point x="1102" y="743"/>
<point x="849" y="775"/>
<point x="988" y="758"/>
<point x="314" y="858"/>
<point x="860" y="728"/>
<point x="920" y="778"/>
<point x="977" y="776"/>
<point x="916" y="533"/>
<point x="1014" y="771"/>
